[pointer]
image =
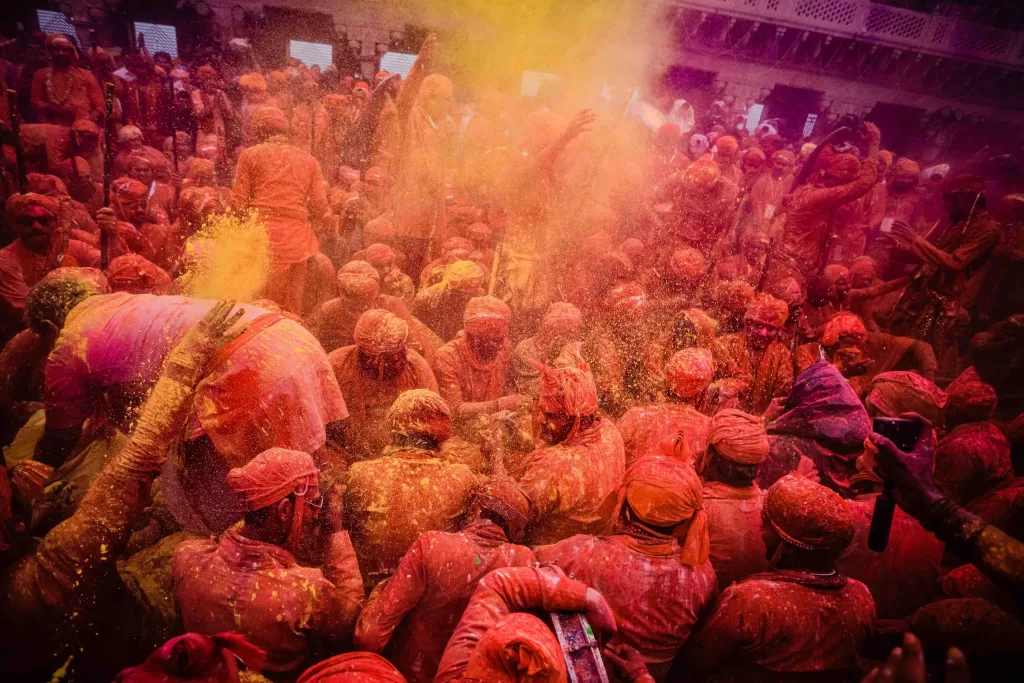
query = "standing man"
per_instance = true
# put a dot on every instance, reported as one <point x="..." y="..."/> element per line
<point x="63" y="93"/>
<point x="284" y="184"/>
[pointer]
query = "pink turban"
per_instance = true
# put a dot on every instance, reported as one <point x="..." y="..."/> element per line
<point x="739" y="437"/>
<point x="689" y="372"/>
<point x="380" y="331"/>
<point x="272" y="476"/>
<point x="972" y="397"/>
<point x="486" y="316"/>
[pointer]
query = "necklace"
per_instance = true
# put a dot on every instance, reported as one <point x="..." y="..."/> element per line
<point x="50" y="91"/>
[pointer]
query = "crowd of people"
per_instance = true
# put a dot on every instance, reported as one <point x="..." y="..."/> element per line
<point x="510" y="359"/>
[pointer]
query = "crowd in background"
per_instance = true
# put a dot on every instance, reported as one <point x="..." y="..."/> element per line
<point x="509" y="357"/>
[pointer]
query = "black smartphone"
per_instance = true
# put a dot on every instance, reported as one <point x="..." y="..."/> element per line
<point x="903" y="432"/>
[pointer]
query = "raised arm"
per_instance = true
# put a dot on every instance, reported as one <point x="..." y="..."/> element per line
<point x="423" y="65"/>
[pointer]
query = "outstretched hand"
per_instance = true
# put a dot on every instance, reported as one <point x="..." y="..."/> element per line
<point x="911" y="473"/>
<point x="580" y="124"/>
<point x="209" y="335"/>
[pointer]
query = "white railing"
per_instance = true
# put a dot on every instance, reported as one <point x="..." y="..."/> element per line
<point x="878" y="23"/>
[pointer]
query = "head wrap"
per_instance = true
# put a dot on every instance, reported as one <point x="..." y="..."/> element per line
<point x="975" y="399"/>
<point x="464" y="276"/>
<point x="19" y="203"/>
<point x="844" y="324"/>
<point x="433" y="86"/>
<point x="893" y="393"/>
<point x="277" y="78"/>
<point x="766" y="309"/>
<point x="666" y="492"/>
<point x="701" y="174"/>
<point x="199" y="167"/>
<point x="334" y="102"/>
<point x="207" y="73"/>
<point x="129" y="189"/>
<point x="378" y="255"/>
<point x="252" y="81"/>
<point x="732" y="296"/>
<point x="380" y="331"/>
<point x="937" y="172"/>
<point x="704" y="325"/>
<point x="967" y="183"/>
<point x="268" y="121"/>
<point x="129" y="133"/>
<point x="905" y="166"/>
<point x="806" y="149"/>
<point x="864" y="266"/>
<point x="785" y="155"/>
<point x="972" y="460"/>
<point x="29" y="477"/>
<point x="80" y="169"/>
<point x="687" y="263"/>
<point x="272" y="476"/>
<point x="504" y="497"/>
<point x="196" y="657"/>
<point x="519" y="647"/>
<point x="727" y="144"/>
<point x="561" y="320"/>
<point x="788" y="290"/>
<point x="668" y="134"/>
<point x="754" y="157"/>
<point x="194" y="201"/>
<point x="689" y="372"/>
<point x="698" y="145"/>
<point x="456" y="244"/>
<point x="809" y="516"/>
<point x="568" y="388"/>
<point x="58" y="39"/>
<point x="886" y="157"/>
<point x="353" y="667"/>
<point x="843" y="167"/>
<point x="836" y="272"/>
<point x="420" y="412"/>
<point x="135" y="274"/>
<point x="739" y="437"/>
<point x="358" y="280"/>
<point x="85" y="127"/>
<point x="49" y="185"/>
<point x="486" y="316"/>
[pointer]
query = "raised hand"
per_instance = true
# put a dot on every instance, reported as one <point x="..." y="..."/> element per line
<point x="580" y="124"/>
<point x="911" y="473"/>
<point x="194" y="352"/>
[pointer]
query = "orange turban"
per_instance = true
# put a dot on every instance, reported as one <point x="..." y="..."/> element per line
<point x="465" y="276"/>
<point x="739" y="437"/>
<point x="766" y="309"/>
<point x="378" y="255"/>
<point x="703" y="324"/>
<point x="18" y="203"/>
<point x="787" y="289"/>
<point x="886" y="156"/>
<point x="727" y="144"/>
<point x="733" y="296"/>
<point x="486" y="315"/>
<point x="701" y="174"/>
<point x="420" y="412"/>
<point x="194" y="201"/>
<point x="568" y="388"/>
<point x="893" y="393"/>
<point x="809" y="516"/>
<point x="666" y="492"/>
<point x="972" y="397"/>
<point x="843" y="167"/>
<point x="268" y="121"/>
<point x="844" y="324"/>
<point x="252" y="81"/>
<point x="129" y="189"/>
<point x="754" y="157"/>
<point x="504" y="497"/>
<point x="519" y="647"/>
<point x="198" y="167"/>
<point x="135" y="274"/>
<point x="687" y="264"/>
<point x="81" y="168"/>
<point x="352" y="667"/>
<point x="380" y="331"/>
<point x="49" y="185"/>
<point x="277" y="78"/>
<point x="865" y="266"/>
<point x="358" y="280"/>
<point x="905" y="166"/>
<point x="207" y="73"/>
<point x="834" y="272"/>
<point x="689" y="372"/>
<point x="561" y="320"/>
<point x="272" y="476"/>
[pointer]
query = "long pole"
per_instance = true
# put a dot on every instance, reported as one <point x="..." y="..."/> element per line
<point x="108" y="163"/>
<point x="19" y="152"/>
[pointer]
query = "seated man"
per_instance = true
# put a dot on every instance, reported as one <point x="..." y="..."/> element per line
<point x="441" y="306"/>
<point x="474" y="370"/>
<point x="754" y="358"/>
<point x="409" y="489"/>
<point x="393" y="282"/>
<point x="248" y="579"/>
<point x="736" y="448"/>
<point x="417" y="611"/>
<point x="644" y="430"/>
<point x="561" y="325"/>
<point x="803" y="616"/>
<point x="580" y="464"/>
<point x="373" y="372"/>
<point x="692" y="328"/>
<point x="653" y="570"/>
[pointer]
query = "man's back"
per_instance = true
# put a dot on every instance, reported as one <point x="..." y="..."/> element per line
<point x="644" y="429"/>
<point x="656" y="599"/>
<point x="734" y="529"/>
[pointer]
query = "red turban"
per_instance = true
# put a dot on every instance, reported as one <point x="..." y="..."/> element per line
<point x="894" y="393"/>
<point x="905" y="166"/>
<point x="727" y="144"/>
<point x="420" y="412"/>
<point x="844" y="324"/>
<point x="568" y="388"/>
<point x="668" y="134"/>
<point x="378" y="255"/>
<point x="519" y="647"/>
<point x="844" y="167"/>
<point x="666" y="492"/>
<point x="807" y="515"/>
<point x="272" y="476"/>
<point x="787" y="289"/>
<point x="19" y="203"/>
<point x="29" y="477"/>
<point x="687" y="264"/>
<point x="739" y="437"/>
<point x="486" y="316"/>
<point x="973" y="398"/>
<point x="865" y="266"/>
<point x="358" y="280"/>
<point x="704" y="325"/>
<point x="733" y="296"/>
<point x="754" y="157"/>
<point x="353" y="667"/>
<point x="689" y="372"/>
<point x="834" y="272"/>
<point x="504" y="497"/>
<point x="561" y="320"/>
<point x="196" y="657"/>
<point x="380" y="331"/>
<point x="766" y="309"/>
<point x="135" y="274"/>
<point x="269" y="121"/>
<point x="701" y="174"/>
<point x="49" y="185"/>
<point x="129" y="189"/>
<point x="86" y="127"/>
<point x="59" y="39"/>
<point x="194" y="201"/>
